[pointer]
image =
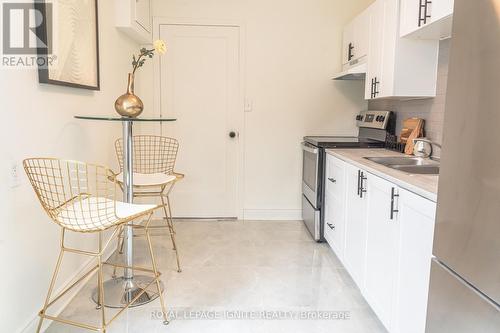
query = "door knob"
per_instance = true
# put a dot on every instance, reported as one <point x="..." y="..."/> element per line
<point x="232" y="134"/>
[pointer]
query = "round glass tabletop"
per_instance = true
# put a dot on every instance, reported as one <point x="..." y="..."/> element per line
<point x="117" y="118"/>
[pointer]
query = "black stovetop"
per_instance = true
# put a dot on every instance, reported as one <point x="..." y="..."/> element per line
<point x="343" y="142"/>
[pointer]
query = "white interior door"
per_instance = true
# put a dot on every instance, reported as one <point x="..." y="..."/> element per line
<point x="200" y="87"/>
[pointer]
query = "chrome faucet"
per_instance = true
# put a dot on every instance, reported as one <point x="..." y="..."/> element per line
<point x="424" y="148"/>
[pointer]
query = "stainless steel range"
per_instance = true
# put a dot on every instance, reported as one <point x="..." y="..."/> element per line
<point x="373" y="127"/>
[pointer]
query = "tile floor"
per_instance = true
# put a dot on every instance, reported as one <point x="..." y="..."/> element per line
<point x="242" y="266"/>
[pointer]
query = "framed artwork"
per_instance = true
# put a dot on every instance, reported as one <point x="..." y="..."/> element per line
<point x="72" y="30"/>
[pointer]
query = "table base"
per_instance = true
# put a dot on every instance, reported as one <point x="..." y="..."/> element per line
<point x="120" y="291"/>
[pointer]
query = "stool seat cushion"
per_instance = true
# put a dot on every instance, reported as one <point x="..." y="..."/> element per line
<point x="95" y="213"/>
<point x="149" y="179"/>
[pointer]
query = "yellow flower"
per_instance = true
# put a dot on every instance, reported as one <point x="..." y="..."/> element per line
<point x="160" y="46"/>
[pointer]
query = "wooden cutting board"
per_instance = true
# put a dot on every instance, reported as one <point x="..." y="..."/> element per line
<point x="412" y="128"/>
<point x="408" y="126"/>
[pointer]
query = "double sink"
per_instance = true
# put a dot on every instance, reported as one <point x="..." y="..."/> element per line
<point x="412" y="165"/>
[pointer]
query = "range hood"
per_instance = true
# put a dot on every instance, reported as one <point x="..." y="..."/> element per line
<point x="356" y="72"/>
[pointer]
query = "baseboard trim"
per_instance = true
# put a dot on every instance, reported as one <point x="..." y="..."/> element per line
<point x="58" y="308"/>
<point x="273" y="214"/>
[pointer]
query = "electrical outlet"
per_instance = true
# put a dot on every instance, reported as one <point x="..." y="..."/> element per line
<point x="15" y="179"/>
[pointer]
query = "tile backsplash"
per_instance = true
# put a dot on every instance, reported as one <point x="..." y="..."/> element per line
<point x="432" y="110"/>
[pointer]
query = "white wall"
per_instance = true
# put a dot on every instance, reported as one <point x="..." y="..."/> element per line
<point x="37" y="120"/>
<point x="293" y="47"/>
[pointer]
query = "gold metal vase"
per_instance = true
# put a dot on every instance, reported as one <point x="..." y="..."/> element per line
<point x="128" y="104"/>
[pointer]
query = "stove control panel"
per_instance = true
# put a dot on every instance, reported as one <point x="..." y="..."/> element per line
<point x="373" y="119"/>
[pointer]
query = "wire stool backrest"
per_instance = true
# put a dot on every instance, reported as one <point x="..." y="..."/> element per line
<point x="152" y="154"/>
<point x="76" y="195"/>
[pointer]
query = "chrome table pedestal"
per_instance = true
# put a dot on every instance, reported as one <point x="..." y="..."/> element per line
<point x="121" y="290"/>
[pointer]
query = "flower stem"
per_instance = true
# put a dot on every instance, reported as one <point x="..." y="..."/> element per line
<point x="138" y="61"/>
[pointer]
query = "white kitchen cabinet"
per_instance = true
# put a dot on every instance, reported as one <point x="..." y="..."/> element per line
<point x="416" y="223"/>
<point x="397" y="67"/>
<point x="439" y="9"/>
<point x="335" y="177"/>
<point x="335" y="205"/>
<point x="387" y="242"/>
<point x="355" y="223"/>
<point x="355" y="40"/>
<point x="347" y="43"/>
<point x="134" y="17"/>
<point x="400" y="231"/>
<point x="382" y="248"/>
<point x="334" y="224"/>
<point x="143" y="14"/>
<point x="376" y="46"/>
<point x="425" y="19"/>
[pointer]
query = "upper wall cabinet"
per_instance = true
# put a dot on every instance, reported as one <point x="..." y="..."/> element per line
<point x="134" y="18"/>
<point x="398" y="67"/>
<point x="425" y="19"/>
<point x="355" y="40"/>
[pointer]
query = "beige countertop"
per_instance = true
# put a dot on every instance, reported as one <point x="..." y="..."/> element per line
<point x="423" y="185"/>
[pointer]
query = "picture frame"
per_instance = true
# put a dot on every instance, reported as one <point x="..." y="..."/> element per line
<point x="72" y="60"/>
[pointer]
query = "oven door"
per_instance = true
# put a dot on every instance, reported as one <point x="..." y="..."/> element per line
<point x="310" y="173"/>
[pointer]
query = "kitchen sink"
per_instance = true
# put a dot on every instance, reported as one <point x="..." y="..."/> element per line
<point x="413" y="165"/>
<point x="402" y="161"/>
<point x="417" y="169"/>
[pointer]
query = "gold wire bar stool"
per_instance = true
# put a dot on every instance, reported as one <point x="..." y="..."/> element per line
<point x="82" y="198"/>
<point x="153" y="175"/>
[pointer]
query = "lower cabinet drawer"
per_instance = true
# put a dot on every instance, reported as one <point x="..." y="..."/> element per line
<point x="329" y="233"/>
<point x="335" y="176"/>
<point x="334" y="224"/>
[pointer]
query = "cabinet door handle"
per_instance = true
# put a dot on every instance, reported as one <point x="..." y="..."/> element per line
<point x="331" y="226"/>
<point x="423" y="12"/>
<point x="426" y="11"/>
<point x="332" y="180"/>
<point x="420" y="7"/>
<point x="373" y="88"/>
<point x="359" y="182"/>
<point x="350" y="55"/>
<point x="393" y="204"/>
<point x="362" y="186"/>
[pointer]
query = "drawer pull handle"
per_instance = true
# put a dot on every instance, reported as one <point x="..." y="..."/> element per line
<point x="394" y="195"/>
<point x="362" y="188"/>
<point x="332" y="180"/>
<point x="331" y="226"/>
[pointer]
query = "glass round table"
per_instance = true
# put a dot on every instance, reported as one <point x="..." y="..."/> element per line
<point x="121" y="290"/>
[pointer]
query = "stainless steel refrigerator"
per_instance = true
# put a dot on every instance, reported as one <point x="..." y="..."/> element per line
<point x="464" y="294"/>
